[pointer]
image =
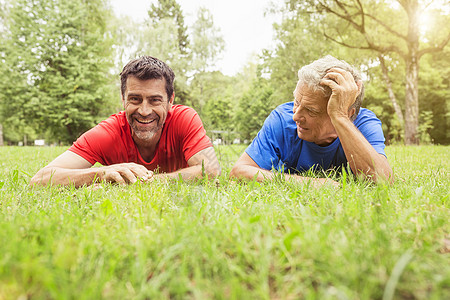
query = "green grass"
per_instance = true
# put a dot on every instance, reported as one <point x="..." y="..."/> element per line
<point x="225" y="239"/>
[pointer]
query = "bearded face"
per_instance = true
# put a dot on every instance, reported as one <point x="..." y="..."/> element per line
<point x="146" y="107"/>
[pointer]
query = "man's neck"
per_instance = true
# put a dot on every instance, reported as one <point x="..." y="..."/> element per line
<point x="147" y="148"/>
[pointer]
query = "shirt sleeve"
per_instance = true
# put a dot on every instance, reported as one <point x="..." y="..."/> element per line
<point x="96" y="145"/>
<point x="265" y="148"/>
<point x="370" y="127"/>
<point x="193" y="134"/>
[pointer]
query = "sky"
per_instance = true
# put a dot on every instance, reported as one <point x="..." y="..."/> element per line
<point x="242" y="23"/>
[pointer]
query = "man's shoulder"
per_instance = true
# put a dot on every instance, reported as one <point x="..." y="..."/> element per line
<point x="181" y="114"/>
<point x="279" y="124"/>
<point x="181" y="110"/>
<point x="365" y="115"/>
<point x="117" y="119"/>
<point x="285" y="108"/>
<point x="181" y="120"/>
<point x="282" y="115"/>
<point x="366" y="112"/>
<point x="107" y="143"/>
<point x="369" y="125"/>
<point x="115" y="124"/>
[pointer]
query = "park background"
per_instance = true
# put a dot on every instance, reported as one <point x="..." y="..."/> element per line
<point x="60" y="63"/>
<point x="224" y="239"/>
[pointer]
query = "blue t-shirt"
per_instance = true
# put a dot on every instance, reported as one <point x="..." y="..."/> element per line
<point x="278" y="146"/>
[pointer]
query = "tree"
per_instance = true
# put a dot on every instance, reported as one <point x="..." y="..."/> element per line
<point x="207" y="42"/>
<point x="2" y="38"/>
<point x="170" y="9"/>
<point x="385" y="28"/>
<point x="434" y="89"/>
<point x="57" y="55"/>
<point x="254" y="107"/>
<point x="376" y="93"/>
<point x="218" y="114"/>
<point x="218" y="89"/>
<point x="297" y="45"/>
<point x="164" y="36"/>
<point x="160" y="40"/>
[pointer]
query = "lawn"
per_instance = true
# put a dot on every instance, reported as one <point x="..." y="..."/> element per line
<point x="227" y="240"/>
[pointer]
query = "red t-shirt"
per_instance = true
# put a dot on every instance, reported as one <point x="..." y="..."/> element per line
<point x="110" y="142"/>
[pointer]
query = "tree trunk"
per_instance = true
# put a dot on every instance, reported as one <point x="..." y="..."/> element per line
<point x="347" y="11"/>
<point x="412" y="102"/>
<point x="1" y="135"/>
<point x="412" y="75"/>
<point x="70" y="131"/>
<point x="387" y="81"/>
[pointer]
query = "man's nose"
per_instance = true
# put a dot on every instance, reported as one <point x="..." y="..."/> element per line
<point x="298" y="115"/>
<point x="145" y="109"/>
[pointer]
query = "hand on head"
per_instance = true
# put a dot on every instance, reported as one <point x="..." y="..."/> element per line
<point x="344" y="91"/>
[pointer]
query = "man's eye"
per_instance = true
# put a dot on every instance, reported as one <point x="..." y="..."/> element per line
<point x="133" y="99"/>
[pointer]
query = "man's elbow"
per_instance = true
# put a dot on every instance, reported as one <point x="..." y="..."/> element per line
<point x="33" y="182"/>
<point x="386" y="176"/>
<point x="213" y="171"/>
<point x="43" y="177"/>
<point x="38" y="179"/>
<point x="382" y="176"/>
<point x="237" y="172"/>
<point x="233" y="172"/>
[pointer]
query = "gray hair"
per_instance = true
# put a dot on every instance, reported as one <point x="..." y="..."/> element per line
<point x="312" y="74"/>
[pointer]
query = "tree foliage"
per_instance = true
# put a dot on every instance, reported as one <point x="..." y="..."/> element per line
<point x="391" y="27"/>
<point x="57" y="55"/>
<point x="57" y="59"/>
<point x="170" y="9"/>
<point x="207" y="85"/>
<point x="207" y="42"/>
<point x="254" y="107"/>
<point x="297" y="44"/>
<point x="434" y="92"/>
<point x="164" y="35"/>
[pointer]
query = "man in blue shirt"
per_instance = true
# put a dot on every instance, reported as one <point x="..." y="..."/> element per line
<point x="323" y="128"/>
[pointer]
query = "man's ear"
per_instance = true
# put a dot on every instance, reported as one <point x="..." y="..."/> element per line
<point x="172" y="98"/>
<point x="123" y="101"/>
<point x="351" y="112"/>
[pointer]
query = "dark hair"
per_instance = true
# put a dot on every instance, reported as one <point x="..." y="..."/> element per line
<point x="147" y="67"/>
<point x="312" y="74"/>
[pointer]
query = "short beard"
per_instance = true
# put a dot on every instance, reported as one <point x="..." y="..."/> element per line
<point x="145" y="135"/>
<point x="141" y="134"/>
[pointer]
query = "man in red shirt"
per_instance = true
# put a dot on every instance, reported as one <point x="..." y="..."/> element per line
<point x="151" y="134"/>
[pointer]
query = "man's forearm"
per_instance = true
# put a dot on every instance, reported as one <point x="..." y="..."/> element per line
<point x="200" y="164"/>
<point x="362" y="157"/>
<point x="250" y="172"/>
<point x="193" y="172"/>
<point x="63" y="176"/>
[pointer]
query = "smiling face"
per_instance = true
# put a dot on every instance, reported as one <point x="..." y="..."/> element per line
<point x="146" y="106"/>
<point x="310" y="115"/>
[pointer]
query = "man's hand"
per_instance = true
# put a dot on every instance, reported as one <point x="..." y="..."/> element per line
<point x="70" y="168"/>
<point x="246" y="168"/>
<point x="125" y="173"/>
<point x="344" y="92"/>
<point x="360" y="154"/>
